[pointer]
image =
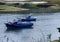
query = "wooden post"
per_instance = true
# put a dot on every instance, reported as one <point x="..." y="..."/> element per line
<point x="59" y="39"/>
<point x="59" y="32"/>
<point x="49" y="38"/>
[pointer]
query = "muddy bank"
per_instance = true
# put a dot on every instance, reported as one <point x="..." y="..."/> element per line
<point x="32" y="11"/>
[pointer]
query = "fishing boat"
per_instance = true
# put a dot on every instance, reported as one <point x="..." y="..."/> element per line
<point x="28" y="18"/>
<point x="19" y="25"/>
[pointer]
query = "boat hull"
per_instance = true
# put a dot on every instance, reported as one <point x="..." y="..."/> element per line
<point x="18" y="26"/>
<point x="32" y="19"/>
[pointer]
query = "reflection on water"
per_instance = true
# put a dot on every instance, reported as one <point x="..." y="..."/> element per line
<point x="44" y="25"/>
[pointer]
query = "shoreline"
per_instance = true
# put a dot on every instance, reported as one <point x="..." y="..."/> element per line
<point x="18" y="10"/>
<point x="29" y="11"/>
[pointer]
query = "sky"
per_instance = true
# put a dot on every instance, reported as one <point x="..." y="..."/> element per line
<point x="20" y="0"/>
<point x="17" y="0"/>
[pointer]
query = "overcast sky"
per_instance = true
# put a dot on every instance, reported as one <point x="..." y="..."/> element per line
<point x="20" y="0"/>
<point x="16" y="0"/>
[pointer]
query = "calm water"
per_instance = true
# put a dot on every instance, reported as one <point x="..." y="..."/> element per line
<point x="44" y="25"/>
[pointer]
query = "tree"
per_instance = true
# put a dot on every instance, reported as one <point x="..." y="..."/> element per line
<point x="29" y="5"/>
<point x="2" y="3"/>
<point x="55" y="1"/>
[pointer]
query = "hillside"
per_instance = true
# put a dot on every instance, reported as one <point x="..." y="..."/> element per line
<point x="10" y="8"/>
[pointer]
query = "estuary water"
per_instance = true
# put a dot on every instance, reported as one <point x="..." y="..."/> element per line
<point x="46" y="23"/>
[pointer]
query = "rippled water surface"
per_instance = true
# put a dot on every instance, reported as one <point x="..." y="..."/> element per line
<point x="44" y="25"/>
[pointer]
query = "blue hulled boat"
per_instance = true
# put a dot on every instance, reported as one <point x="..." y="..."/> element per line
<point x="29" y="18"/>
<point x="19" y="25"/>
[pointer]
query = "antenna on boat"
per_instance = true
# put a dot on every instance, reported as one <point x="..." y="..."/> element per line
<point x="30" y="14"/>
<point x="7" y="17"/>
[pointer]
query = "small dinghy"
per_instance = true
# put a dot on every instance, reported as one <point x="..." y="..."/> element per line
<point x="28" y="18"/>
<point x="19" y="25"/>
